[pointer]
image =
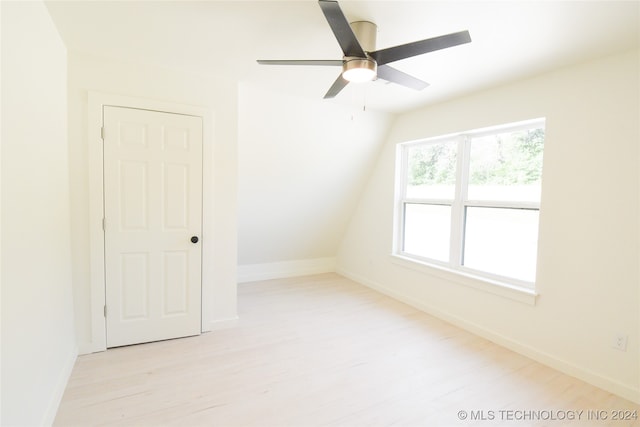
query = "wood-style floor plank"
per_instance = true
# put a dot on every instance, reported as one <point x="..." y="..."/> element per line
<point x="325" y="351"/>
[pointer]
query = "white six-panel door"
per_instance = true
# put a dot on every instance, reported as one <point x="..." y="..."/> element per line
<point x="153" y="216"/>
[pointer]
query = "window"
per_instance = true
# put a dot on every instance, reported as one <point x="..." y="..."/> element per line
<point x="470" y="201"/>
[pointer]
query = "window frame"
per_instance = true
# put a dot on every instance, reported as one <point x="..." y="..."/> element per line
<point x="458" y="204"/>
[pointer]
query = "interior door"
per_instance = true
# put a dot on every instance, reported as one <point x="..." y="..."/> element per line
<point x="153" y="223"/>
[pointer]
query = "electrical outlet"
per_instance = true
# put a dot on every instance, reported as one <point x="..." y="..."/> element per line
<point x="620" y="342"/>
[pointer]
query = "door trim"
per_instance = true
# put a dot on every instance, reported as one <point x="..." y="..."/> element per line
<point x="96" y="102"/>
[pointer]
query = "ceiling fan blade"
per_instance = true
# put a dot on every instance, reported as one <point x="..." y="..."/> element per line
<point x="384" y="56"/>
<point x="337" y="62"/>
<point x="341" y="29"/>
<point x="337" y="86"/>
<point x="396" y="76"/>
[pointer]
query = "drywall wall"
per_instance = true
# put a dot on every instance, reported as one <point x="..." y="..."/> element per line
<point x="38" y="339"/>
<point x="214" y="93"/>
<point x="302" y="164"/>
<point x="587" y="275"/>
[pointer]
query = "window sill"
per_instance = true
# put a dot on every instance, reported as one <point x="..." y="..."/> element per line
<point x="515" y="293"/>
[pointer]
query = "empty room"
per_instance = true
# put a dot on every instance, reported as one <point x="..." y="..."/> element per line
<point x="310" y="213"/>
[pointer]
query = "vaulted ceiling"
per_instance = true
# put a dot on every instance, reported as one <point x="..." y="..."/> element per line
<point x="510" y="40"/>
<point x="303" y="161"/>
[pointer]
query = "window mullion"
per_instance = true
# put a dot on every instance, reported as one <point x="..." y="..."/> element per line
<point x="502" y="204"/>
<point x="403" y="167"/>
<point x="457" y="208"/>
<point x="443" y="202"/>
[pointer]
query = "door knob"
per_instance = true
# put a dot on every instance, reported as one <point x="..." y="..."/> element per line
<point x="194" y="239"/>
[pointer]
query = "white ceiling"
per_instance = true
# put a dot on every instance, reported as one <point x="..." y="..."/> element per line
<point x="511" y="40"/>
<point x="284" y="143"/>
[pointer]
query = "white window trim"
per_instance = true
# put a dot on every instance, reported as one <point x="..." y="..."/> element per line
<point x="495" y="287"/>
<point x="515" y="289"/>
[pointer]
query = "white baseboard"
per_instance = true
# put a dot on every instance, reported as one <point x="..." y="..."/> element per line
<point x="88" y="348"/>
<point x="278" y="270"/>
<point x="61" y="384"/>
<point x="220" y="324"/>
<point x="547" y="359"/>
<point x="214" y="325"/>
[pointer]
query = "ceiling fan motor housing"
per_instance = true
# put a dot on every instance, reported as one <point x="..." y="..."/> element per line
<point x="356" y="68"/>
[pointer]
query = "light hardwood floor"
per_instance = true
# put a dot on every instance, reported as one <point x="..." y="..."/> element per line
<point x="323" y="350"/>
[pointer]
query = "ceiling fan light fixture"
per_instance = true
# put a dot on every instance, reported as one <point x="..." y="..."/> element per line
<point x="359" y="70"/>
<point x="357" y="41"/>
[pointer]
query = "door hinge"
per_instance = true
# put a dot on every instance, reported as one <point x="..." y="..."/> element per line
<point x="105" y="311"/>
<point x="104" y="226"/>
<point x="102" y="133"/>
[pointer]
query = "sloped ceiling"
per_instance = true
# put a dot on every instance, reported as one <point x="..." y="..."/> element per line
<point x="303" y="165"/>
<point x="302" y="160"/>
<point x="511" y="40"/>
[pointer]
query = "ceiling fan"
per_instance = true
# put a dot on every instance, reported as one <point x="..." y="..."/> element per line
<point x="361" y="61"/>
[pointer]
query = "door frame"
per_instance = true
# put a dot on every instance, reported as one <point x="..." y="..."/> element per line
<point x="96" y="102"/>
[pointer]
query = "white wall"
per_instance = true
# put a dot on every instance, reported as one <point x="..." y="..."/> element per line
<point x="588" y="269"/>
<point x="302" y="166"/>
<point x="215" y="93"/>
<point x="38" y="340"/>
